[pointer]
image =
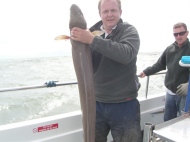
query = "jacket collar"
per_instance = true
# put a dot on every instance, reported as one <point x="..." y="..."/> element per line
<point x="184" y="44"/>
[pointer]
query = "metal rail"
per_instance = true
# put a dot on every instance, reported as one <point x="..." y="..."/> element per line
<point x="147" y="82"/>
<point x="34" y="87"/>
<point x="67" y="83"/>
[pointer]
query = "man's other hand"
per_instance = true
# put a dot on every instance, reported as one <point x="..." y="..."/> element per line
<point x="182" y="89"/>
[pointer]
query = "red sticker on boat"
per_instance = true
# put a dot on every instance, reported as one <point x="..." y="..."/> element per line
<point x="47" y="127"/>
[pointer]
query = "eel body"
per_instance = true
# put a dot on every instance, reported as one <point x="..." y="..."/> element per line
<point x="82" y="59"/>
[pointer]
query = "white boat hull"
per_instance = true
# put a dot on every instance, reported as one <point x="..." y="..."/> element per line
<point x="68" y="127"/>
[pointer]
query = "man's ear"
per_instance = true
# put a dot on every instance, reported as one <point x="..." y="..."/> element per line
<point x="120" y="12"/>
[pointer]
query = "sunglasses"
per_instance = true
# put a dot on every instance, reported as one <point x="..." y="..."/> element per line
<point x="181" y="33"/>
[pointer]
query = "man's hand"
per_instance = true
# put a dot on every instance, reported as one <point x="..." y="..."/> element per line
<point x="182" y="89"/>
<point x="141" y="75"/>
<point x="82" y="35"/>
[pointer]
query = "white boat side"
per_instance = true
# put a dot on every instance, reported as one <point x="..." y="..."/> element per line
<point x="68" y="127"/>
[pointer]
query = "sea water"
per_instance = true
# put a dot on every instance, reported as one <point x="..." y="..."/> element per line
<point x="23" y="105"/>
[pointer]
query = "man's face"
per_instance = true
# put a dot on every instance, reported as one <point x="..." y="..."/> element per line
<point x="180" y="35"/>
<point x="110" y="14"/>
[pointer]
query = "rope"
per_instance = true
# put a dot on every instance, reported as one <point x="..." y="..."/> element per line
<point x="51" y="83"/>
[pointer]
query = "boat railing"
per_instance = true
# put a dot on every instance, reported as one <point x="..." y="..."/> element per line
<point x="35" y="87"/>
<point x="147" y="82"/>
<point x="67" y="83"/>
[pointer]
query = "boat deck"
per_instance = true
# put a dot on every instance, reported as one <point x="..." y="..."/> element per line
<point x="175" y="130"/>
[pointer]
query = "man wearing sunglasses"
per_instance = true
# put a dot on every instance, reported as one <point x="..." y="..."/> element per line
<point x="176" y="79"/>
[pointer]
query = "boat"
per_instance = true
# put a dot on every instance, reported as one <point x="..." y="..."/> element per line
<point x="67" y="127"/>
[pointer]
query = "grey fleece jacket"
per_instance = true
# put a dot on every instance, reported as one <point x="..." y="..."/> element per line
<point x="114" y="63"/>
<point x="170" y="58"/>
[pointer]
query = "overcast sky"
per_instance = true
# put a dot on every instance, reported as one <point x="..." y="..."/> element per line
<point x="28" y="27"/>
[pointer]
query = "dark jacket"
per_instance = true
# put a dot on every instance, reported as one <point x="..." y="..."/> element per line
<point x="170" y="58"/>
<point x="114" y="63"/>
